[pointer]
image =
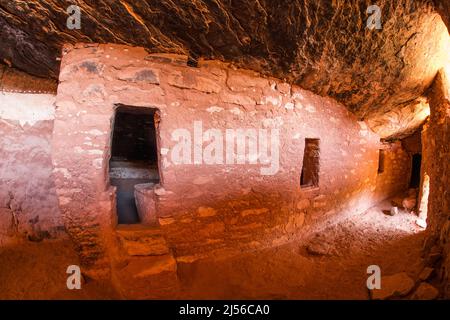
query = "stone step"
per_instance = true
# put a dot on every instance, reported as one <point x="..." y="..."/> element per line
<point x="152" y="277"/>
<point x="141" y="240"/>
<point x="151" y="272"/>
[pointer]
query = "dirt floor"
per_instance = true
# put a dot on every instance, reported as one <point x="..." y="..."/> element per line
<point x="330" y="265"/>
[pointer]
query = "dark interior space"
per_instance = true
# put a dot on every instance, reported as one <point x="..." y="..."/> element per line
<point x="310" y="170"/>
<point x="415" y="170"/>
<point x="134" y="157"/>
<point x="380" y="161"/>
<point x="134" y="137"/>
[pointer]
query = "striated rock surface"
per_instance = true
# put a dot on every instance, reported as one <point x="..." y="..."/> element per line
<point x="324" y="46"/>
<point x="402" y="121"/>
<point x="13" y="80"/>
<point x="139" y="240"/>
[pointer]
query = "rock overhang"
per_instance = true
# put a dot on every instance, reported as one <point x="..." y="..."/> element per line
<point x="322" y="46"/>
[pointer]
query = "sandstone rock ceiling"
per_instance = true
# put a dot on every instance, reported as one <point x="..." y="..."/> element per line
<point x="322" y="45"/>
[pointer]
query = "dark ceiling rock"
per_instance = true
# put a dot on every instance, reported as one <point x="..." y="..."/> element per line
<point x="12" y="80"/>
<point x="401" y="121"/>
<point x="322" y="45"/>
<point x="443" y="7"/>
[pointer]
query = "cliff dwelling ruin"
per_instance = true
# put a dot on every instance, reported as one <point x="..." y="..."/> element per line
<point x="224" y="149"/>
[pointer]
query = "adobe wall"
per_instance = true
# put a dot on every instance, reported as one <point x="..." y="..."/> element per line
<point x="436" y="154"/>
<point x="28" y="202"/>
<point x="204" y="207"/>
<point x="397" y="170"/>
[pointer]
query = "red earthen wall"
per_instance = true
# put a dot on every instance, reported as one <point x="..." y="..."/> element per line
<point x="436" y="153"/>
<point x="397" y="171"/>
<point x="205" y="207"/>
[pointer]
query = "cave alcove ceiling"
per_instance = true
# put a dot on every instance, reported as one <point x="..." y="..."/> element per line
<point x="323" y="46"/>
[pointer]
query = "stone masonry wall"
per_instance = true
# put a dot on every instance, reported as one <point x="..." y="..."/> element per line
<point x="204" y="207"/>
<point x="397" y="171"/>
<point x="436" y="153"/>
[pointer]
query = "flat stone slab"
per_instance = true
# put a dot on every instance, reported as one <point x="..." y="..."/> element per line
<point x="141" y="240"/>
<point x="321" y="247"/>
<point x="396" y="285"/>
<point x="426" y="274"/>
<point x="150" y="266"/>
<point x="425" y="292"/>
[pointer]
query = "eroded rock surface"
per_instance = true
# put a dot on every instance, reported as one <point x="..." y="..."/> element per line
<point x="324" y="46"/>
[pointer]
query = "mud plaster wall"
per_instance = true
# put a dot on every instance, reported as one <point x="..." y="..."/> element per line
<point x="28" y="202"/>
<point x="436" y="153"/>
<point x="205" y="207"/>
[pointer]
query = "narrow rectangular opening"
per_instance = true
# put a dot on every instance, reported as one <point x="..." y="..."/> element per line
<point x="380" y="161"/>
<point x="311" y="164"/>
<point x="134" y="157"/>
<point x="414" y="181"/>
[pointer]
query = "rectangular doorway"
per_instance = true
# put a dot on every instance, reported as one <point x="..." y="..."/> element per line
<point x="134" y="157"/>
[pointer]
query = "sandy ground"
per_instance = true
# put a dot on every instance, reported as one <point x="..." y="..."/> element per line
<point x="330" y="265"/>
<point x="37" y="270"/>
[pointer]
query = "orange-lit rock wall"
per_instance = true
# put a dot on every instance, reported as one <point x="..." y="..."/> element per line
<point x="203" y="207"/>
<point x="397" y="170"/>
<point x="436" y="152"/>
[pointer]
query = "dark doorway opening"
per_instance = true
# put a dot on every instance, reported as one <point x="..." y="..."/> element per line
<point x="415" y="171"/>
<point x="134" y="157"/>
<point x="380" y="161"/>
<point x="311" y="164"/>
